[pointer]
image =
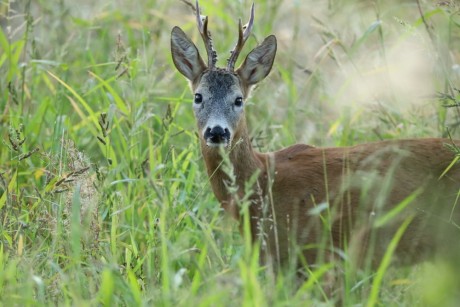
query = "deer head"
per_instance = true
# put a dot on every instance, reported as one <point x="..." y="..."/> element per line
<point x="220" y="92"/>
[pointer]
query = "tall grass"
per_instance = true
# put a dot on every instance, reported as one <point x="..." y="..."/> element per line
<point x="104" y="197"/>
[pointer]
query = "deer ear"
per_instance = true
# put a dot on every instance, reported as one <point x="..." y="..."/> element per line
<point x="185" y="55"/>
<point x="258" y="62"/>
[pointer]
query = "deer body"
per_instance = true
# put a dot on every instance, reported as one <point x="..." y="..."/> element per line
<point x="355" y="186"/>
<point x="352" y="180"/>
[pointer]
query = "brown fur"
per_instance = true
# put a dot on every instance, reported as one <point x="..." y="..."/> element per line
<point x="305" y="176"/>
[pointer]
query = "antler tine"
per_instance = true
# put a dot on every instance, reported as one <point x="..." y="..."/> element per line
<point x="206" y="35"/>
<point x="242" y="37"/>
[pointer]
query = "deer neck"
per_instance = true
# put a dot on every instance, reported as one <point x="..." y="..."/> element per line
<point x="245" y="162"/>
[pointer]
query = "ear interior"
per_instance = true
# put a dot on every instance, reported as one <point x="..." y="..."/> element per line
<point x="258" y="62"/>
<point x="185" y="55"/>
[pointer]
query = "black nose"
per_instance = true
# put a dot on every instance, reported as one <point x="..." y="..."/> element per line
<point x="217" y="135"/>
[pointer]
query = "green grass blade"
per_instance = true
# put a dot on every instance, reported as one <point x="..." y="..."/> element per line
<point x="390" y="215"/>
<point x="376" y="284"/>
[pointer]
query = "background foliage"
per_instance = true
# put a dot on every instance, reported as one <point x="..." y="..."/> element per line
<point x="104" y="197"/>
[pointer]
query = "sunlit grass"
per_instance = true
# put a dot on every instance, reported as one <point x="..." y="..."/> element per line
<point x="104" y="197"/>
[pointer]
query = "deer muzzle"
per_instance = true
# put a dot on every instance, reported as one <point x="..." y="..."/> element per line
<point x="217" y="136"/>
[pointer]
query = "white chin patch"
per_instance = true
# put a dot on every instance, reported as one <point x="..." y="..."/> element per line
<point x="214" y="144"/>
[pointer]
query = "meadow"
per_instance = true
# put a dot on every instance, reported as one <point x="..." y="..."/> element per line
<point x="104" y="197"/>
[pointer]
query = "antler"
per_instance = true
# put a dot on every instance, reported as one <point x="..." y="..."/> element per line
<point x="206" y="35"/>
<point x="242" y="37"/>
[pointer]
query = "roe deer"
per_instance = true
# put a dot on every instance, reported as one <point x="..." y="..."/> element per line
<point x="361" y="187"/>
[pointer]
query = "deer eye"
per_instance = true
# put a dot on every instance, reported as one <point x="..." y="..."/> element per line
<point x="198" y="98"/>
<point x="239" y="102"/>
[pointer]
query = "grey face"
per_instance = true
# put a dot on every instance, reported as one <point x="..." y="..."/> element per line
<point x="218" y="107"/>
